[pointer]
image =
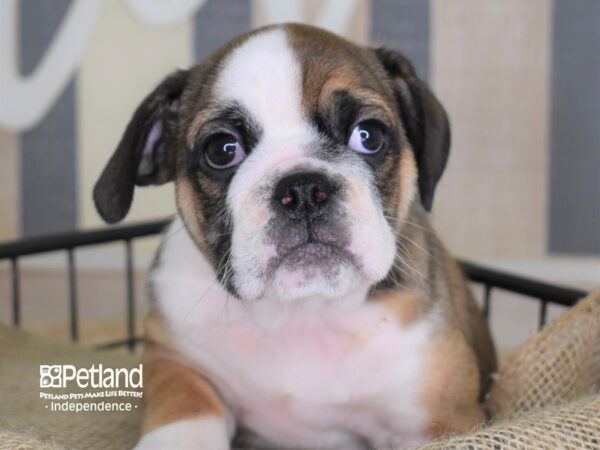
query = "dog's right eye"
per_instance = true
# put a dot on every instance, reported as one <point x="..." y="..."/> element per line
<point x="367" y="137"/>
<point x="223" y="151"/>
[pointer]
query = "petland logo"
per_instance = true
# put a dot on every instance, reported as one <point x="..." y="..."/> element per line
<point x="61" y="376"/>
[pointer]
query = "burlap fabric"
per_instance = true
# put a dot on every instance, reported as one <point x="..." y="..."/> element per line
<point x="22" y="410"/>
<point x="572" y="426"/>
<point x="557" y="365"/>
<point x="22" y="441"/>
<point x="546" y="395"/>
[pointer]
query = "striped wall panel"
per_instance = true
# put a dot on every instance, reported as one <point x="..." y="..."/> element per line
<point x="574" y="190"/>
<point x="404" y="26"/>
<point x="48" y="151"/>
<point x="519" y="79"/>
<point x="209" y="32"/>
<point x="10" y="179"/>
<point x="490" y="68"/>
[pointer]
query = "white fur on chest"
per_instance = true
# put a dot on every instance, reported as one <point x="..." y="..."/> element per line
<point x="329" y="378"/>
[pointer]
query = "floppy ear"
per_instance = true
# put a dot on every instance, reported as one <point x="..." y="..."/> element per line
<point x="425" y="121"/>
<point x="146" y="153"/>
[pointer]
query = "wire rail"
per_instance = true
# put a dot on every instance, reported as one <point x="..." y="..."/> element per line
<point x="544" y="293"/>
<point x="68" y="242"/>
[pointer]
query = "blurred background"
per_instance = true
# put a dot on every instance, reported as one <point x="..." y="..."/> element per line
<point x="520" y="80"/>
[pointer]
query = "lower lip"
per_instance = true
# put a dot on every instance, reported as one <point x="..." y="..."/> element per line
<point x="313" y="254"/>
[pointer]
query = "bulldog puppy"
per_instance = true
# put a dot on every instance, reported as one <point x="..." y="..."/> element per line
<point x="300" y="296"/>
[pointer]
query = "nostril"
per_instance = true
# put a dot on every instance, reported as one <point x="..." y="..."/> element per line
<point x="288" y="200"/>
<point x="318" y="195"/>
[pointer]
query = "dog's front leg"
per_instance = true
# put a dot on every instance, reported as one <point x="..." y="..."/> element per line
<point x="182" y="411"/>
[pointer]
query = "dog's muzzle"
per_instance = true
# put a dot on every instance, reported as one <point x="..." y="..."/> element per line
<point x="308" y="227"/>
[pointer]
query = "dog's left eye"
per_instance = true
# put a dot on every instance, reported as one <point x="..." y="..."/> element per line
<point x="367" y="137"/>
<point x="223" y="151"/>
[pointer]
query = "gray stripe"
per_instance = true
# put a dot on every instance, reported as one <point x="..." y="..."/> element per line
<point x="575" y="129"/>
<point x="403" y="25"/>
<point x="217" y="22"/>
<point x="38" y="24"/>
<point x="48" y="158"/>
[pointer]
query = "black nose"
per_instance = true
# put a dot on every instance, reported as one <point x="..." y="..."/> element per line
<point x="304" y="195"/>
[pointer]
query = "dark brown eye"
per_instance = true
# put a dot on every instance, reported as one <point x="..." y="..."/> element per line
<point x="223" y="151"/>
<point x="367" y="137"/>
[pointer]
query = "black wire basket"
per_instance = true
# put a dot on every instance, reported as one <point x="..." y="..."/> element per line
<point x="541" y="292"/>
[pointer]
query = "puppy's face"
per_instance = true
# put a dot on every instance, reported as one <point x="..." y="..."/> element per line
<point x="296" y="155"/>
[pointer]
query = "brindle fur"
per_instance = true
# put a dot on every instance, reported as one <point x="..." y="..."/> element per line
<point x="337" y="76"/>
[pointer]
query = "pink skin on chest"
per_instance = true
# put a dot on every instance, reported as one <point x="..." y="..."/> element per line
<point x="317" y="374"/>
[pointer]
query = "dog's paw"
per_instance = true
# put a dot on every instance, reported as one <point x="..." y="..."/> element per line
<point x="202" y="433"/>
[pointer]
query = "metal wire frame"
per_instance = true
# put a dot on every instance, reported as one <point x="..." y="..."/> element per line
<point x="69" y="242"/>
<point x="544" y="293"/>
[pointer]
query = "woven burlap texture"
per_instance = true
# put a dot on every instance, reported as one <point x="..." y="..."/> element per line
<point x="22" y="441"/>
<point x="545" y="396"/>
<point x="559" y="364"/>
<point x="573" y="426"/>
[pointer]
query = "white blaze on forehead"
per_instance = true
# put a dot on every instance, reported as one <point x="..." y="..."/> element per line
<point x="264" y="76"/>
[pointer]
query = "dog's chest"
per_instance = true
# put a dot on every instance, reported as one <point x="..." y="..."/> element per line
<point x="326" y="379"/>
<point x="322" y="377"/>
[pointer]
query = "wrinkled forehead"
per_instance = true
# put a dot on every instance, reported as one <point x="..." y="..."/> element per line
<point x="281" y="76"/>
<point x="263" y="75"/>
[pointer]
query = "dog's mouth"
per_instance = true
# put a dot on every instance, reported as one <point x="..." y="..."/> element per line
<point x="312" y="257"/>
<point x="312" y="269"/>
